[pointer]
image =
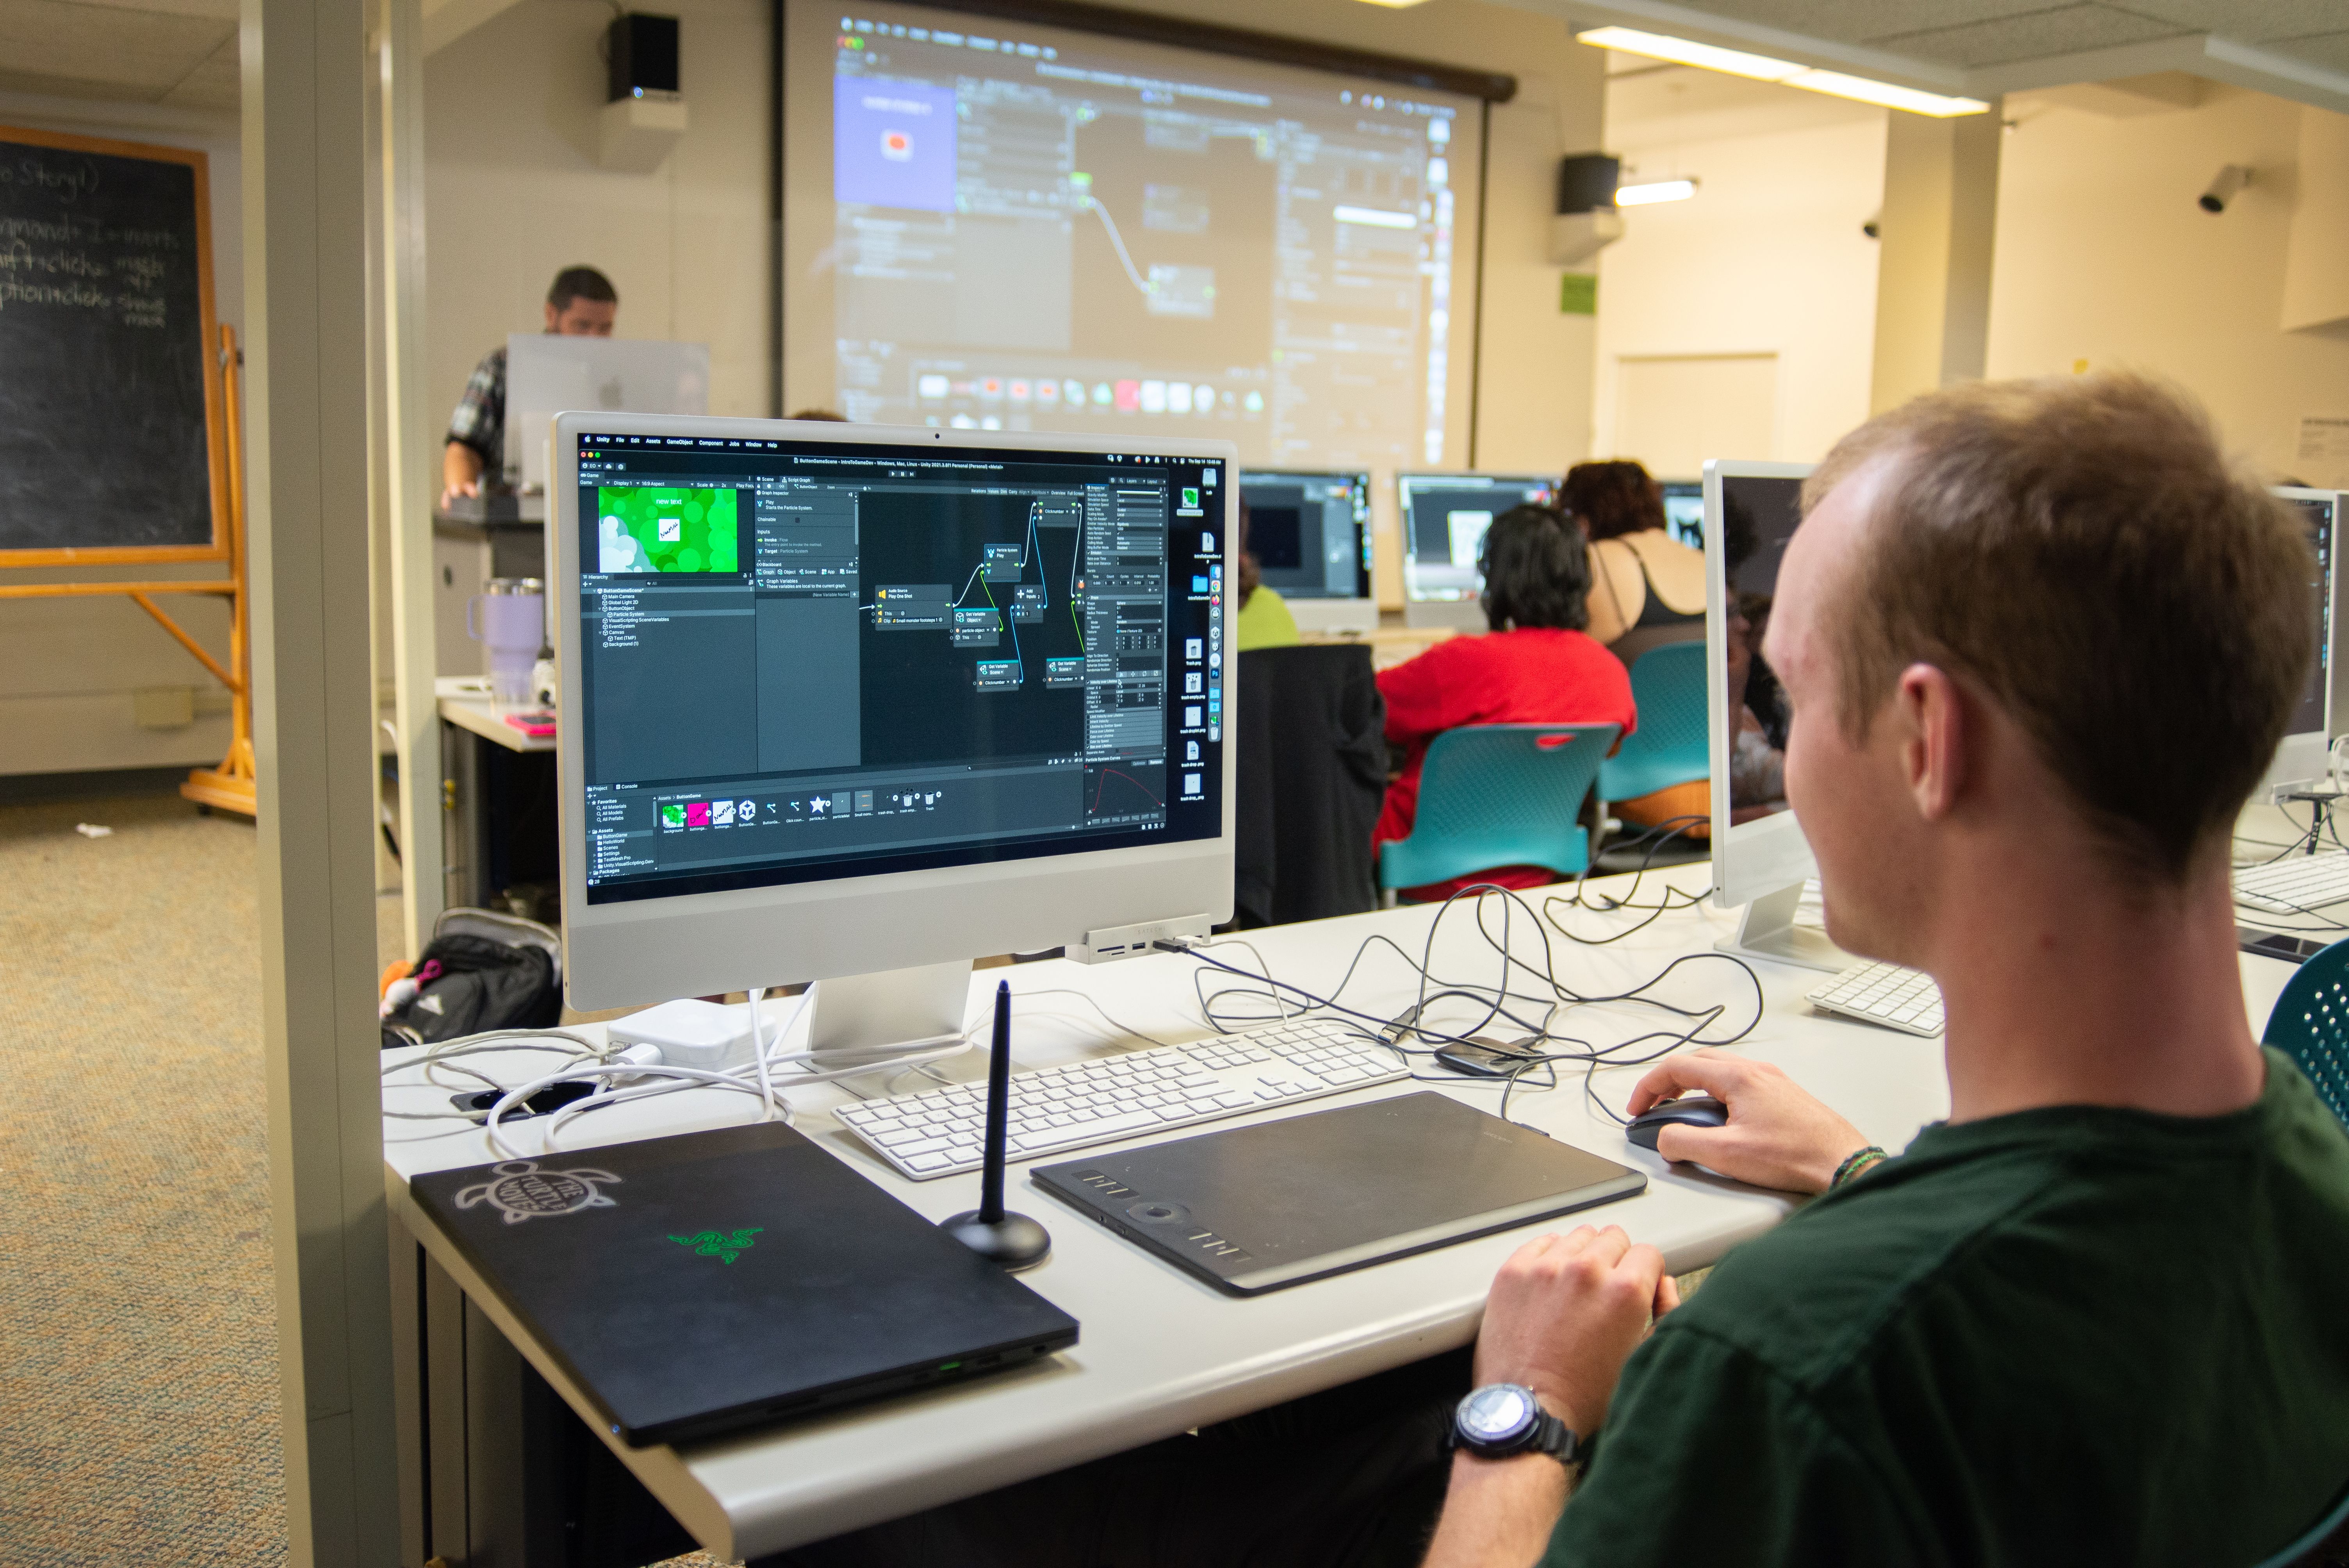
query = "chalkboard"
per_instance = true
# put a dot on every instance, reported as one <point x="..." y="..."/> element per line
<point x="108" y="406"/>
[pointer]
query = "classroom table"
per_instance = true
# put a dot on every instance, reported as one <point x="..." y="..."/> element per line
<point x="1160" y="1352"/>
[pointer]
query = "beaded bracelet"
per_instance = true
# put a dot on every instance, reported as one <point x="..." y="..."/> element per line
<point x="1854" y="1163"/>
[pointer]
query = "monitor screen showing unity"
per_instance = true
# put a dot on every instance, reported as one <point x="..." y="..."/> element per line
<point x="804" y="661"/>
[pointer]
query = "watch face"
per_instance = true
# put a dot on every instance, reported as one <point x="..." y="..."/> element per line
<point x="1497" y="1413"/>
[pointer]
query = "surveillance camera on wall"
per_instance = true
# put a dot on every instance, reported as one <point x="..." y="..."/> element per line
<point x="2229" y="182"/>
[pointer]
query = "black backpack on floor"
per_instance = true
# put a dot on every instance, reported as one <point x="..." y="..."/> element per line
<point x="480" y="971"/>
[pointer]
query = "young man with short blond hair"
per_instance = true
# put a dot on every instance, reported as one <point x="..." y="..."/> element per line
<point x="2041" y="639"/>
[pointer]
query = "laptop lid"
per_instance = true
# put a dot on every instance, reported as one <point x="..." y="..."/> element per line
<point x="696" y="1285"/>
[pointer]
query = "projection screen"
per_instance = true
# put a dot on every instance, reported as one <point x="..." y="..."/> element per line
<point x="996" y="225"/>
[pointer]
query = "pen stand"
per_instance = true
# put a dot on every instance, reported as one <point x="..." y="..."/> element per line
<point x="1012" y="1241"/>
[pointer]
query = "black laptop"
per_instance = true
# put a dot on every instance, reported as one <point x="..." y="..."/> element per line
<point x="705" y="1283"/>
<point x="1259" y="1208"/>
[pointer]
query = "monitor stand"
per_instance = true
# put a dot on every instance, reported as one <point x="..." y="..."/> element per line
<point x="1767" y="930"/>
<point x="857" y="1019"/>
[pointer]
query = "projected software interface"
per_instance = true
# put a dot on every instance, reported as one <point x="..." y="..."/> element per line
<point x="808" y="661"/>
<point x="1036" y="228"/>
<point x="1444" y="517"/>
<point x="1310" y="534"/>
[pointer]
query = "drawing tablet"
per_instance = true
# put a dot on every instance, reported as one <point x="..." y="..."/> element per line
<point x="1254" y="1209"/>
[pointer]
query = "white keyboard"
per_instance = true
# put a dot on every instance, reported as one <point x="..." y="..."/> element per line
<point x="2294" y="883"/>
<point x="1884" y="994"/>
<point x="939" y="1133"/>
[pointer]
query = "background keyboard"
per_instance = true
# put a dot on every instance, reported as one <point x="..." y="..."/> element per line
<point x="1054" y="1109"/>
<point x="1884" y="994"/>
<point x="2294" y="883"/>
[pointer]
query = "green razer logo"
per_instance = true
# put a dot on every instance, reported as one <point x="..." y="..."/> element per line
<point x="725" y="1249"/>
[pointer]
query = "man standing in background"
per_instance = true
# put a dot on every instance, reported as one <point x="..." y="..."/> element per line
<point x="580" y="303"/>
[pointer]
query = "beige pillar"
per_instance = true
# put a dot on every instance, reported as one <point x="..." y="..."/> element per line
<point x="304" y="141"/>
<point x="1932" y="278"/>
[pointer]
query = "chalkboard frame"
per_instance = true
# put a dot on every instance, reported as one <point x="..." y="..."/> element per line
<point x="218" y="549"/>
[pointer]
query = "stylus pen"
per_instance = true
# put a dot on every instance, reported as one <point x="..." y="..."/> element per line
<point x="998" y="1110"/>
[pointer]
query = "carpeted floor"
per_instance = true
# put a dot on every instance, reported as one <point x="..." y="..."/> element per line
<point x="140" y="1379"/>
<point x="140" y="1376"/>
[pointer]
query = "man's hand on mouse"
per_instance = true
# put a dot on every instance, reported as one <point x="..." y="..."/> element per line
<point x="1565" y="1312"/>
<point x="1777" y="1134"/>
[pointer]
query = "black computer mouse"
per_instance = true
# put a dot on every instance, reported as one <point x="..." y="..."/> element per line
<point x="1689" y="1111"/>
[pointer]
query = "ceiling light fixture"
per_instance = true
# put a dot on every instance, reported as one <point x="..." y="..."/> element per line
<point x="1653" y="192"/>
<point x="1784" y="73"/>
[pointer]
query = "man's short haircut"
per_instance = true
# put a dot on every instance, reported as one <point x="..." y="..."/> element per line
<point x="1612" y="499"/>
<point x="2083" y="548"/>
<point x="1537" y="570"/>
<point x="581" y="282"/>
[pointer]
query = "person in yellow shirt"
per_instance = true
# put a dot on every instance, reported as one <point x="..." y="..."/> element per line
<point x="1265" y="621"/>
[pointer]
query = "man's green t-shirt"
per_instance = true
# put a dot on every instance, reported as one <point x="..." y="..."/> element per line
<point x="2069" y="1336"/>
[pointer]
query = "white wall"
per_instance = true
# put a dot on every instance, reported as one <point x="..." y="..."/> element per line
<point x="2105" y="259"/>
<point x="512" y="193"/>
<point x="1768" y="257"/>
<point x="67" y="667"/>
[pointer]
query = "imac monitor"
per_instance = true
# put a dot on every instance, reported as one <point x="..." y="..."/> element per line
<point x="547" y="373"/>
<point x="2303" y="756"/>
<point x="1310" y="534"/>
<point x="1684" y="512"/>
<point x="1444" y="517"/>
<point x="1760" y="858"/>
<point x="860" y="704"/>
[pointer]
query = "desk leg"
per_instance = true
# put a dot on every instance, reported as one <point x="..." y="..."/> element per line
<point x="510" y="1477"/>
<point x="462" y="817"/>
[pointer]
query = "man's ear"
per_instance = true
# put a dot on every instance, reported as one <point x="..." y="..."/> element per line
<point x="553" y="315"/>
<point x="1930" y="710"/>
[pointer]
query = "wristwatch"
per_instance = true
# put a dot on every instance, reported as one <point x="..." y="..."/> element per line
<point x="1504" y="1419"/>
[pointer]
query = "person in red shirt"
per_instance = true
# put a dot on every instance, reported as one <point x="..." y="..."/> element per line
<point x="1535" y="666"/>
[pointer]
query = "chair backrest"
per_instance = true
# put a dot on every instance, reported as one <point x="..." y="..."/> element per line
<point x="1670" y="745"/>
<point x="1309" y="728"/>
<point x="1494" y="795"/>
<point x="2310" y="1023"/>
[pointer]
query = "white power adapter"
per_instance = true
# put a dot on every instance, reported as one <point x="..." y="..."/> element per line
<point x="690" y="1033"/>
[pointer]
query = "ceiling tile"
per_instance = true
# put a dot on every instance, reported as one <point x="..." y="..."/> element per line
<point x="2064" y="30"/>
<point x="2330" y="49"/>
<point x="146" y="53"/>
<point x="1850" y="21"/>
<point x="2249" y="21"/>
<point x="212" y="85"/>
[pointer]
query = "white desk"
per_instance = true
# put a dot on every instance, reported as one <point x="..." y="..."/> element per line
<point x="1160" y="1352"/>
<point x="464" y="701"/>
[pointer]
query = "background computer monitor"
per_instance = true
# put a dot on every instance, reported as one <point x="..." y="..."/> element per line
<point x="1444" y="517"/>
<point x="547" y="373"/>
<point x="1684" y="512"/>
<point x="1751" y="511"/>
<point x="970" y="690"/>
<point x="1310" y="534"/>
<point x="2321" y="713"/>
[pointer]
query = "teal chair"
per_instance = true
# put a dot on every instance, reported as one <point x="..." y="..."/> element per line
<point x="1672" y="745"/>
<point x="1492" y="794"/>
<point x="2310" y="1023"/>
